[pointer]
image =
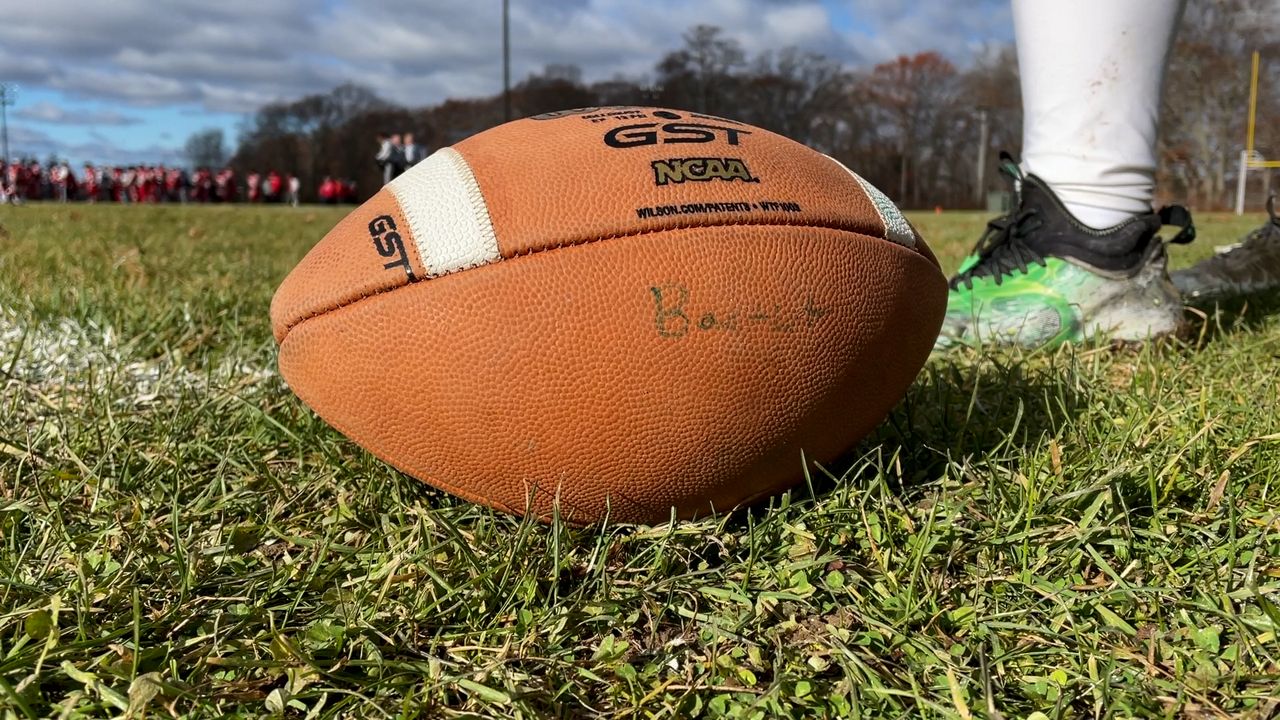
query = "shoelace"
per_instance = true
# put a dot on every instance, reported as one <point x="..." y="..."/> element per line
<point x="1003" y="248"/>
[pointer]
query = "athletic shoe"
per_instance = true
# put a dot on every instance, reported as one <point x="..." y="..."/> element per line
<point x="1248" y="267"/>
<point x="1039" y="277"/>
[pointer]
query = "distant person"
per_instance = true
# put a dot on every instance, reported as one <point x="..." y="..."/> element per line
<point x="91" y="183"/>
<point x="295" y="190"/>
<point x="71" y="181"/>
<point x="197" y="192"/>
<point x="129" y="185"/>
<point x="391" y="158"/>
<point x="267" y="195"/>
<point x="226" y="188"/>
<point x="147" y="185"/>
<point x="13" y="180"/>
<point x="413" y="153"/>
<point x="1079" y="255"/>
<point x="33" y="180"/>
<point x="17" y="180"/>
<point x="136" y="181"/>
<point x="175" y="182"/>
<point x="385" y="157"/>
<point x="233" y="185"/>
<point x="58" y="179"/>
<point x="219" y="186"/>
<point x="329" y="191"/>
<point x="274" y="190"/>
<point x="397" y="155"/>
<point x="114" y="181"/>
<point x="253" y="187"/>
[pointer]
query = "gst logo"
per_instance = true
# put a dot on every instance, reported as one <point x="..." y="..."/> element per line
<point x="389" y="244"/>
<point x="640" y="134"/>
<point x="679" y="170"/>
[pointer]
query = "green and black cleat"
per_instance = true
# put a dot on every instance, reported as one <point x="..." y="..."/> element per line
<point x="1039" y="277"/>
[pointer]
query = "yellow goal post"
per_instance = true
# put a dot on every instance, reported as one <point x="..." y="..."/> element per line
<point x="1250" y="158"/>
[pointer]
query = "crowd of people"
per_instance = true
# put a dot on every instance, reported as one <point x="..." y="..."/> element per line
<point x="396" y="153"/>
<point x="28" y="180"/>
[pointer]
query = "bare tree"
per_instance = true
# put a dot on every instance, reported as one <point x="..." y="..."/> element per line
<point x="1202" y="126"/>
<point x="991" y="87"/>
<point x="207" y="148"/>
<point x="700" y="76"/>
<point x="792" y="93"/>
<point x="915" y="96"/>
<point x="559" y="87"/>
<point x="323" y="134"/>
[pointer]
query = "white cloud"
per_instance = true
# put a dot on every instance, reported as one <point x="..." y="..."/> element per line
<point x="955" y="29"/>
<point x="233" y="55"/>
<point x="27" y="142"/>
<point x="47" y="112"/>
<point x="21" y="136"/>
<point x="800" y="25"/>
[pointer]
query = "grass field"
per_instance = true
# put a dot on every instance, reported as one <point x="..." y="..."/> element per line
<point x="1091" y="532"/>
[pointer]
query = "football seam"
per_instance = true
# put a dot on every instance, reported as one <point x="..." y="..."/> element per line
<point x="578" y="243"/>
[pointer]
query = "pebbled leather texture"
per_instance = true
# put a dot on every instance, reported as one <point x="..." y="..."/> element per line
<point x="613" y="365"/>
<point x="551" y="183"/>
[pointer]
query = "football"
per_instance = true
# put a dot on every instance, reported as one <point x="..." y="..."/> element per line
<point x="625" y="313"/>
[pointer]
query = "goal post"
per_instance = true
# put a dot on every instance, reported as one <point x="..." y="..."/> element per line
<point x="1250" y="158"/>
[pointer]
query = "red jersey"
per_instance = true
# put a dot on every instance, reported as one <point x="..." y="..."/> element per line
<point x="90" y="183"/>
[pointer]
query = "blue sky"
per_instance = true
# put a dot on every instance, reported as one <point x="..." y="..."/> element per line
<point x="86" y="129"/>
<point x="128" y="81"/>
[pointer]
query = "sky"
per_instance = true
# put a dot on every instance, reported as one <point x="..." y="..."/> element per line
<point x="128" y="81"/>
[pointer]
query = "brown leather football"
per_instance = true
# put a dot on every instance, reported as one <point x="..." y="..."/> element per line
<point x="613" y="311"/>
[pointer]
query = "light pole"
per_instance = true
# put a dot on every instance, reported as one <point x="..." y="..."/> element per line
<point x="984" y="138"/>
<point x="506" y="60"/>
<point x="8" y="95"/>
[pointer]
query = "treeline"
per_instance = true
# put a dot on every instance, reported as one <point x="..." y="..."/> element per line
<point x="922" y="129"/>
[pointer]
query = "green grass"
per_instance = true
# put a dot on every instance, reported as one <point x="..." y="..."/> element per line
<point x="1086" y="532"/>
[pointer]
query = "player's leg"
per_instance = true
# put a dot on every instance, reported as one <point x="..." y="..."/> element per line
<point x="1079" y="255"/>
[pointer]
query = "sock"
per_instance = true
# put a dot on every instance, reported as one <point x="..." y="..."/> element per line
<point x="1092" y="73"/>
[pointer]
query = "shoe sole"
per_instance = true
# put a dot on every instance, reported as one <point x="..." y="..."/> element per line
<point x="1140" y="308"/>
<point x="1124" y="308"/>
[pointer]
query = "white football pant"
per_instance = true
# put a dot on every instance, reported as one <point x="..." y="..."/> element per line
<point x="1092" y="73"/>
